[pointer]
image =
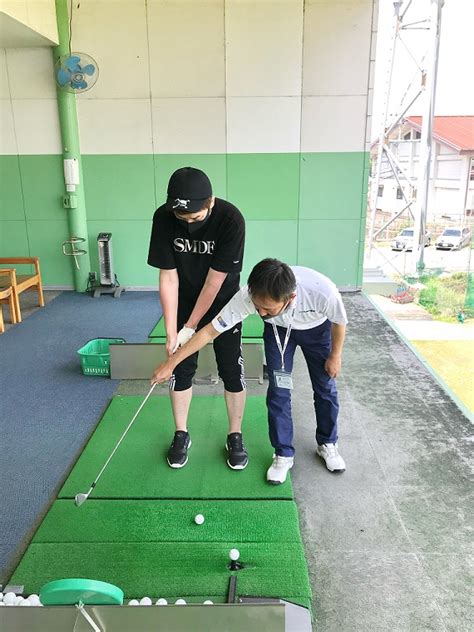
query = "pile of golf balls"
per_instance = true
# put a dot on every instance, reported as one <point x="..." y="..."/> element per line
<point x="147" y="601"/>
<point x="11" y="599"/>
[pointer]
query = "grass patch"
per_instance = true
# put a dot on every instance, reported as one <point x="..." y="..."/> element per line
<point x="453" y="361"/>
<point x="445" y="297"/>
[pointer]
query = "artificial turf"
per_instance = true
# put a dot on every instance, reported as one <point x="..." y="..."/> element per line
<point x="169" y="521"/>
<point x="252" y="327"/>
<point x="170" y="569"/>
<point x="139" y="469"/>
<point x="137" y="529"/>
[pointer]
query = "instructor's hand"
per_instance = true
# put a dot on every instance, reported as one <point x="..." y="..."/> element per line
<point x="332" y="366"/>
<point x="162" y="373"/>
<point x="184" y="334"/>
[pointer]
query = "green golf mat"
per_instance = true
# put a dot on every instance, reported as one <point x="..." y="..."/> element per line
<point x="139" y="469"/>
<point x="170" y="569"/>
<point x="252" y="327"/>
<point x="170" y="521"/>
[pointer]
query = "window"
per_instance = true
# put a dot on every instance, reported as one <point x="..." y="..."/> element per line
<point x="417" y="135"/>
<point x="380" y="191"/>
<point x="407" y="136"/>
<point x="471" y="174"/>
<point x="399" y="193"/>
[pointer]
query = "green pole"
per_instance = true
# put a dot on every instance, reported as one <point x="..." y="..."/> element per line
<point x="74" y="199"/>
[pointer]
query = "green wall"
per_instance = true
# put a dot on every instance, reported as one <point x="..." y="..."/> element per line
<point x="307" y="209"/>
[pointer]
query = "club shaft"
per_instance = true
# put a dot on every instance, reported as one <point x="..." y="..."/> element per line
<point x="121" y="439"/>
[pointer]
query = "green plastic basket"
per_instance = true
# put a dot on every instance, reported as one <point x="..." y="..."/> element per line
<point x="95" y="355"/>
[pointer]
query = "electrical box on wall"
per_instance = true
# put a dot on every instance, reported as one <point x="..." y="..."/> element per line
<point x="71" y="173"/>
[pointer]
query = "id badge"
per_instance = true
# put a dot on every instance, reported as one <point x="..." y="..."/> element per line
<point x="283" y="379"/>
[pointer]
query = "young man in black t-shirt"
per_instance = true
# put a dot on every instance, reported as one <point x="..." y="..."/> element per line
<point x="197" y="241"/>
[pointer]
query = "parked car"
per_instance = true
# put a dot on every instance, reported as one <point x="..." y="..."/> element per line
<point x="453" y="239"/>
<point x="404" y="240"/>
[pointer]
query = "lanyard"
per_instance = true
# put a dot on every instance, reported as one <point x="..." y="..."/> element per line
<point x="285" y="343"/>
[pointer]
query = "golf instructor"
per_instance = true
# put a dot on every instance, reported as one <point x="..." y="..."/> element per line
<point x="197" y="242"/>
<point x="300" y="307"/>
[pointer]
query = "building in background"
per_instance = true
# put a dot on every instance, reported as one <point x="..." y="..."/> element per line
<point x="451" y="196"/>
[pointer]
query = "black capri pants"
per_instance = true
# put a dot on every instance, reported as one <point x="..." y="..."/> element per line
<point x="227" y="350"/>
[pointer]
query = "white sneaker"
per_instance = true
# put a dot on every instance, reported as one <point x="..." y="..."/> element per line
<point x="330" y="454"/>
<point x="276" y="473"/>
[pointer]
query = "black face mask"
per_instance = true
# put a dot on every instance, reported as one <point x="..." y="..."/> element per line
<point x="192" y="227"/>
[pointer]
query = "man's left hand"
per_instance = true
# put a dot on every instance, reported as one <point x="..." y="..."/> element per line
<point x="162" y="373"/>
<point x="332" y="366"/>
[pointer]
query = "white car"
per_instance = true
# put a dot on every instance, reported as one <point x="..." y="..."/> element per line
<point x="404" y="240"/>
<point x="453" y="239"/>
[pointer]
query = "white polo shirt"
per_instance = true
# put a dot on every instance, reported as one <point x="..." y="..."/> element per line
<point x="317" y="300"/>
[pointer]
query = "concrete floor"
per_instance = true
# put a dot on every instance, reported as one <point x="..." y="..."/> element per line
<point x="389" y="542"/>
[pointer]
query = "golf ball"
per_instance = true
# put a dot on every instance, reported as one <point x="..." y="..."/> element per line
<point x="199" y="519"/>
<point x="208" y="602"/>
<point x="180" y="602"/>
<point x="25" y="602"/>
<point x="9" y="598"/>
<point x="234" y="554"/>
<point x="133" y="602"/>
<point x="145" y="601"/>
<point x="34" y="600"/>
<point x="161" y="602"/>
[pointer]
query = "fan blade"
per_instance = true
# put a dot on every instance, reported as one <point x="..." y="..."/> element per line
<point x="89" y="69"/>
<point x="78" y="85"/>
<point x="63" y="77"/>
<point x="72" y="63"/>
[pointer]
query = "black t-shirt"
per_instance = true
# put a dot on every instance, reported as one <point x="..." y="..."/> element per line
<point x="219" y="245"/>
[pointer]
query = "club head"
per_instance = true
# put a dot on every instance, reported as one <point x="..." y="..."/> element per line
<point x="80" y="498"/>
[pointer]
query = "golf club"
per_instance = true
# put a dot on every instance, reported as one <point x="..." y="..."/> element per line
<point x="81" y="498"/>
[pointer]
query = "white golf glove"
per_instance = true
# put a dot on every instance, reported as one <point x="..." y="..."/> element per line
<point x="184" y="334"/>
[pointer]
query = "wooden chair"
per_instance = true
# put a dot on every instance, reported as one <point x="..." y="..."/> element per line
<point x="6" y="296"/>
<point x="22" y="282"/>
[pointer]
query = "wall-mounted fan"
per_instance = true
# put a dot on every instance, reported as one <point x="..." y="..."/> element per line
<point x="76" y="72"/>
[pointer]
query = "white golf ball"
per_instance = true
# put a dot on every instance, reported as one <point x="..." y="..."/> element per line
<point x="208" y="602"/>
<point x="161" y="602"/>
<point x="25" y="602"/>
<point x="145" y="601"/>
<point x="18" y="600"/>
<point x="180" y="602"/>
<point x="34" y="600"/>
<point x="133" y="602"/>
<point x="234" y="554"/>
<point x="199" y="519"/>
<point x="9" y="598"/>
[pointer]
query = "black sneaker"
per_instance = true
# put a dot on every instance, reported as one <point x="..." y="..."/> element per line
<point x="237" y="454"/>
<point x="178" y="453"/>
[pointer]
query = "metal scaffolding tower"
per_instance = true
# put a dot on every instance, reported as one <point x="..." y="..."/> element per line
<point x="423" y="83"/>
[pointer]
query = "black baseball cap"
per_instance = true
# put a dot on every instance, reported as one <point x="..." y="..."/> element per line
<point x="188" y="190"/>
